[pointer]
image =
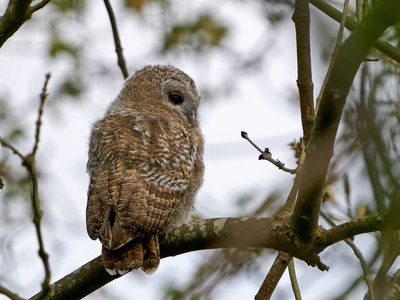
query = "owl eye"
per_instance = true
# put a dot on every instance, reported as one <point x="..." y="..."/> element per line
<point x="175" y="98"/>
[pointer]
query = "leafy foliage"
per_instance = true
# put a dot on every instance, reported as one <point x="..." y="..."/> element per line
<point x="203" y="32"/>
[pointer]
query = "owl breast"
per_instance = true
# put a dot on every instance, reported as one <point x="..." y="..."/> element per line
<point x="165" y="153"/>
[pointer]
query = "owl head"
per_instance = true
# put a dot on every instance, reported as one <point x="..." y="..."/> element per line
<point x="159" y="89"/>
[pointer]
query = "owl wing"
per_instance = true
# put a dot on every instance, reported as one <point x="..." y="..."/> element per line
<point x="121" y="205"/>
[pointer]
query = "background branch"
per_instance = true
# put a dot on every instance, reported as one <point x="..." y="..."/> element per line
<point x="293" y="280"/>
<point x="274" y="276"/>
<point x="9" y="294"/>
<point x="117" y="42"/>
<point x="28" y="162"/>
<point x="358" y="254"/>
<point x="16" y="14"/>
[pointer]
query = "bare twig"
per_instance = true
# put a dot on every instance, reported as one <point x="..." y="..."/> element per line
<point x="28" y="162"/>
<point x="43" y="97"/>
<point x="6" y="144"/>
<point x="9" y="294"/>
<point x="301" y="19"/>
<point x="293" y="280"/>
<point x="358" y="254"/>
<point x="274" y="276"/>
<point x="266" y="154"/>
<point x="38" y="6"/>
<point x="118" y="47"/>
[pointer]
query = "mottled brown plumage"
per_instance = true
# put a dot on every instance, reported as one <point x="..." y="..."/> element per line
<point x="145" y="166"/>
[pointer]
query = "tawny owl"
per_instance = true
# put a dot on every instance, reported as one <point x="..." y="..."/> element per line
<point x="145" y="166"/>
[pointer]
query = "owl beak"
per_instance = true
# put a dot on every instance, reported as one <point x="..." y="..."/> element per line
<point x="192" y="118"/>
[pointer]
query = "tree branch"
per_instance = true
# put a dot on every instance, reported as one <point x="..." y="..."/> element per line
<point x="28" y="162"/>
<point x="274" y="276"/>
<point x="16" y="14"/>
<point x="9" y="294"/>
<point x="43" y="97"/>
<point x="335" y="51"/>
<point x="301" y="19"/>
<point x="271" y="233"/>
<point x="352" y="52"/>
<point x="266" y="155"/>
<point x="359" y="255"/>
<point x="293" y="280"/>
<point x="118" y="47"/>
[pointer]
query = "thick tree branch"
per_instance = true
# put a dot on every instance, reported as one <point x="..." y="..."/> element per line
<point x="16" y="14"/>
<point x="351" y="54"/>
<point x="272" y="233"/>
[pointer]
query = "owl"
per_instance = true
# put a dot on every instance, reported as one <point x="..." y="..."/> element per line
<point x="145" y="166"/>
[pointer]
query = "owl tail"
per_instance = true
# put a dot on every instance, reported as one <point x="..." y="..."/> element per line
<point x="139" y="253"/>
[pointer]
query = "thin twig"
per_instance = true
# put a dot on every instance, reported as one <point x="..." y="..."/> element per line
<point x="43" y="97"/>
<point x="9" y="294"/>
<point x="28" y="162"/>
<point x="7" y="144"/>
<point x="30" y="165"/>
<point x="38" y="6"/>
<point x="358" y="254"/>
<point x="335" y="52"/>
<point x="293" y="280"/>
<point x="118" y="47"/>
<point x="266" y="154"/>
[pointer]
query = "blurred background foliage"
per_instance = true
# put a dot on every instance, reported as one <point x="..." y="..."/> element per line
<point x="364" y="169"/>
